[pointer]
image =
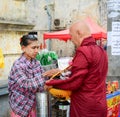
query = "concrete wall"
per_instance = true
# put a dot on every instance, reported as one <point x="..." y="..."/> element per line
<point x="113" y="40"/>
<point x="19" y="17"/>
<point x="4" y="106"/>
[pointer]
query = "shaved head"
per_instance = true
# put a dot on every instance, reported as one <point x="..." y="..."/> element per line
<point x="78" y="32"/>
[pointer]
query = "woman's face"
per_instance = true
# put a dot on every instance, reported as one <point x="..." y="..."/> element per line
<point x="31" y="50"/>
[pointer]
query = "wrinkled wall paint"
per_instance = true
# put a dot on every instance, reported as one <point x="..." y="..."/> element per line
<point x="9" y="42"/>
<point x="12" y="10"/>
<point x="76" y="10"/>
<point x="102" y="5"/>
<point x="33" y="11"/>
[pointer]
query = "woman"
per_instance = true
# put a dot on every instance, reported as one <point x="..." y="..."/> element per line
<point x="25" y="79"/>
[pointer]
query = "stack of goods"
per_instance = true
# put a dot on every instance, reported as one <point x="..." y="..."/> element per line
<point x="112" y="86"/>
<point x="113" y="99"/>
<point x="113" y="104"/>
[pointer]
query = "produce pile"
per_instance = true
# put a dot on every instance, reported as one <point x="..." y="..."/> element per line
<point x="47" y="57"/>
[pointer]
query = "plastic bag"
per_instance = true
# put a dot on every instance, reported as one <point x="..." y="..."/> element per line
<point x="1" y="59"/>
<point x="46" y="57"/>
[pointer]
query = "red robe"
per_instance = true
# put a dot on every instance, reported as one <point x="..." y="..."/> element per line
<point x="87" y="81"/>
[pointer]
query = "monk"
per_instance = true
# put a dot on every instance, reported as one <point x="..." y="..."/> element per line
<point x="88" y="75"/>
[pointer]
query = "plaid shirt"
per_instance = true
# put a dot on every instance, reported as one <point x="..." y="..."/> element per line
<point x="24" y="81"/>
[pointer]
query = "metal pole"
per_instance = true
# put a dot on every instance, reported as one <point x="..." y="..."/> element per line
<point x="113" y="40"/>
<point x="49" y="23"/>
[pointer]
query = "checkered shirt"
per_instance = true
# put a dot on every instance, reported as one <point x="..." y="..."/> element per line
<point x="24" y="81"/>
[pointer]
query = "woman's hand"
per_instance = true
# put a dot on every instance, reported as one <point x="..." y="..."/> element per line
<point x="51" y="72"/>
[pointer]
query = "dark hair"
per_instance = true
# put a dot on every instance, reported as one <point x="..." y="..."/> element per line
<point x="24" y="40"/>
<point x="32" y="33"/>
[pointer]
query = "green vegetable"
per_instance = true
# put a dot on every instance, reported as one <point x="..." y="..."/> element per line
<point x="47" y="57"/>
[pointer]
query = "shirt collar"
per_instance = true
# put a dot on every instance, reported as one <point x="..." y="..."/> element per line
<point x="28" y="62"/>
<point x="88" y="41"/>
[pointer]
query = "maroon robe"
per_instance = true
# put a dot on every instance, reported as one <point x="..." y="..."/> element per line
<point x="87" y="81"/>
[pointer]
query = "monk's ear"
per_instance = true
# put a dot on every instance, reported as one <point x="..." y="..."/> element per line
<point x="23" y="48"/>
<point x="79" y="33"/>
